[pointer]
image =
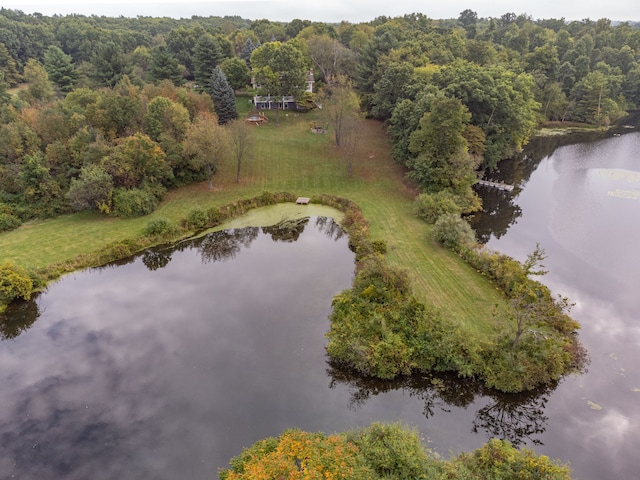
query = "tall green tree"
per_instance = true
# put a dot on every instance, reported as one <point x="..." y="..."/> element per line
<point x="164" y="66"/>
<point x="237" y="73"/>
<point x="9" y="67"/>
<point x="500" y="101"/>
<point x="224" y="100"/>
<point x="60" y="68"/>
<point x="207" y="55"/>
<point x="110" y="64"/>
<point x="280" y="69"/>
<point x="442" y="159"/>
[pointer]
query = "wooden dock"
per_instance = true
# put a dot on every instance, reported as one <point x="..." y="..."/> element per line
<point x="500" y="186"/>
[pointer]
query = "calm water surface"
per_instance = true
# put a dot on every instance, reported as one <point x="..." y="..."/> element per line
<point x="168" y="364"/>
<point x="582" y="203"/>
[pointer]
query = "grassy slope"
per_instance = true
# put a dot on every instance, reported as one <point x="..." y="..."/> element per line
<point x="290" y="158"/>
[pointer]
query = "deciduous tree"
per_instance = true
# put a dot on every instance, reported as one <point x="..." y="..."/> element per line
<point x="240" y="133"/>
<point x="207" y="144"/>
<point x="280" y="69"/>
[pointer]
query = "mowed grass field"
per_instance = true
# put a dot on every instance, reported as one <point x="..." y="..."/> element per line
<point x="291" y="158"/>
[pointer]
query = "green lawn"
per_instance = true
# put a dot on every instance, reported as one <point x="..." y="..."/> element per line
<point x="291" y="158"/>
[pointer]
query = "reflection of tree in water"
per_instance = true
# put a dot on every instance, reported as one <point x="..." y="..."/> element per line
<point x="518" y="418"/>
<point x="226" y="244"/>
<point x="499" y="212"/>
<point x="17" y="318"/>
<point x="286" y="230"/>
<point x="329" y="227"/>
<point x="499" y="208"/>
<point x="155" y="258"/>
<point x="515" y="417"/>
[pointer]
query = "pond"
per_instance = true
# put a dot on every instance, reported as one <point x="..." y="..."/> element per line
<point x="165" y="365"/>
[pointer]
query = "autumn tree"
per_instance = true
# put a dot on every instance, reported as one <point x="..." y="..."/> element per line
<point x="340" y="105"/>
<point x="165" y="117"/>
<point x="207" y="145"/>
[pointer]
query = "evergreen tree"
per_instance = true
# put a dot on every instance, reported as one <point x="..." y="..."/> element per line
<point x="9" y="67"/>
<point x="60" y="68"/>
<point x="224" y="101"/>
<point x="247" y="49"/>
<point x="164" y="66"/>
<point x="110" y="64"/>
<point x="207" y="54"/>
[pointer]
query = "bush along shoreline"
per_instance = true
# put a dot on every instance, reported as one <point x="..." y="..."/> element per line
<point x="378" y="327"/>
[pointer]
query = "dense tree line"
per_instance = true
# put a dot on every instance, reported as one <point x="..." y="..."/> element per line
<point x="107" y="110"/>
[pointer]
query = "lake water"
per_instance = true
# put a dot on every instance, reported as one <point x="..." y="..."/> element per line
<point x="166" y="365"/>
<point x="582" y="204"/>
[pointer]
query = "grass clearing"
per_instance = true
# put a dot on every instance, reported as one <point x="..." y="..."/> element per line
<point x="291" y="158"/>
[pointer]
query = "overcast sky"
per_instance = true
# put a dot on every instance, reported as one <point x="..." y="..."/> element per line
<point x="335" y="10"/>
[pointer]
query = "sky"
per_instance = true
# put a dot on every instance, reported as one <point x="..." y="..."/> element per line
<point x="334" y="10"/>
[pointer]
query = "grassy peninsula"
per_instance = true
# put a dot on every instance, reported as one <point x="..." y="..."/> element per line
<point x="436" y="312"/>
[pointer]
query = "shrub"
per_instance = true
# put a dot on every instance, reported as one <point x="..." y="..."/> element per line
<point x="15" y="282"/>
<point x="430" y="206"/>
<point x="214" y="217"/>
<point x="133" y="202"/>
<point x="197" y="219"/>
<point x="499" y="460"/>
<point x="8" y="222"/>
<point x="393" y="451"/>
<point x="160" y="227"/>
<point x="453" y="232"/>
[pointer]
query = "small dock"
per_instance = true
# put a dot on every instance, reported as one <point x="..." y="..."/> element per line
<point x="500" y="186"/>
<point x="303" y="201"/>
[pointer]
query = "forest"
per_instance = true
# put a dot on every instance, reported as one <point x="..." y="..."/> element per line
<point x="108" y="113"/>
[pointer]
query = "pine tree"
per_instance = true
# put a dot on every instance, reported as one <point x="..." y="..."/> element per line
<point x="9" y="67"/>
<point x="207" y="54"/>
<point x="60" y="68"/>
<point x="224" y="101"/>
<point x="164" y="66"/>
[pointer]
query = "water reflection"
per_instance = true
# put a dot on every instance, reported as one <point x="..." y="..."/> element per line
<point x="167" y="366"/>
<point x="500" y="209"/>
<point x="17" y="318"/>
<point x="581" y="204"/>
<point x="519" y="418"/>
